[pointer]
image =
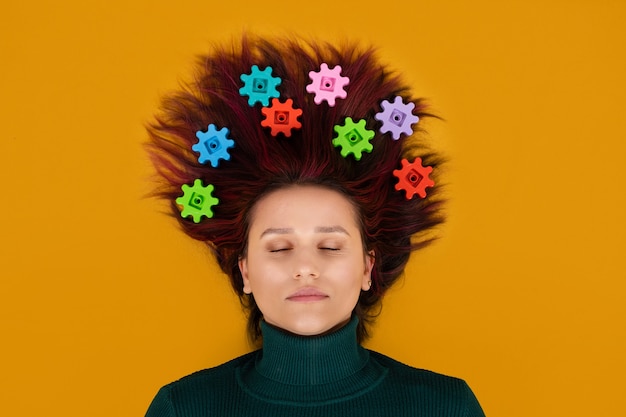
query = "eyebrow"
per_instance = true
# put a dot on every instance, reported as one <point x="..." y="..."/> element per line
<point x="331" y="229"/>
<point x="276" y="231"/>
<point x="319" y="229"/>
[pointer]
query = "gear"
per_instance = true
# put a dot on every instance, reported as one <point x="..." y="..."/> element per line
<point x="413" y="178"/>
<point x="327" y="84"/>
<point x="397" y="117"/>
<point x="259" y="86"/>
<point x="353" y="138"/>
<point x="197" y="201"/>
<point x="213" y="145"/>
<point x="281" y="117"/>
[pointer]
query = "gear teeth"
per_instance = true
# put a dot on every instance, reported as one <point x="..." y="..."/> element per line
<point x="197" y="201"/>
<point x="413" y="178"/>
<point x="260" y="86"/>
<point x="281" y="117"/>
<point x="397" y="117"/>
<point x="353" y="138"/>
<point x="213" y="145"/>
<point x="327" y="84"/>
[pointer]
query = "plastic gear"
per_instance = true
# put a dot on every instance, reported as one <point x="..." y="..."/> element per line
<point x="213" y="145"/>
<point x="197" y="201"/>
<point x="353" y="138"/>
<point x="397" y="117"/>
<point x="259" y="86"/>
<point x="281" y="117"/>
<point x="327" y="84"/>
<point x="413" y="178"/>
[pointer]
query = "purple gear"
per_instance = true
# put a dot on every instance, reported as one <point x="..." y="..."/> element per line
<point x="397" y="117"/>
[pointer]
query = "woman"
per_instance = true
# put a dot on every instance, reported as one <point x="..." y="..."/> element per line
<point x="301" y="167"/>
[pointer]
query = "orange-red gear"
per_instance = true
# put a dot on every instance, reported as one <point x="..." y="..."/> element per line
<point x="281" y="117"/>
<point x="413" y="178"/>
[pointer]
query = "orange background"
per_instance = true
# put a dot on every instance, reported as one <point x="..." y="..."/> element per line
<point x="103" y="300"/>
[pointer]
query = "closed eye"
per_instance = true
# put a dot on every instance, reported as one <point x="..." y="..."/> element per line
<point x="279" y="250"/>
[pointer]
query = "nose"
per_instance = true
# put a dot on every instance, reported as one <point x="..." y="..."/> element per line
<point x="305" y="267"/>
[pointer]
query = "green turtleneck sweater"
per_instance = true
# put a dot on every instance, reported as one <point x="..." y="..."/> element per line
<point x="330" y="375"/>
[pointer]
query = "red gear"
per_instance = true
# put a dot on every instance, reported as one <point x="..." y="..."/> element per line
<point x="413" y="178"/>
<point x="281" y="117"/>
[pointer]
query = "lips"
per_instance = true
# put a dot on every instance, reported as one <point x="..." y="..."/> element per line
<point x="307" y="295"/>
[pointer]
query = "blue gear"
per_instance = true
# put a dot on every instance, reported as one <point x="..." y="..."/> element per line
<point x="213" y="145"/>
<point x="260" y="86"/>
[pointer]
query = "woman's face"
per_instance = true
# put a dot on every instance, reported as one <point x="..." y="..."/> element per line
<point x="305" y="263"/>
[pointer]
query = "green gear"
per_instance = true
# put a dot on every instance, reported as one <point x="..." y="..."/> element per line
<point x="353" y="138"/>
<point x="197" y="201"/>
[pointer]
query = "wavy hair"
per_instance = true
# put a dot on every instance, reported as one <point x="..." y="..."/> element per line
<point x="259" y="163"/>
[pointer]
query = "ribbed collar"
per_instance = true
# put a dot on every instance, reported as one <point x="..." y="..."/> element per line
<point x="298" y="369"/>
<point x="302" y="360"/>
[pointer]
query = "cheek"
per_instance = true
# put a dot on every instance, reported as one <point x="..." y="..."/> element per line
<point x="351" y="273"/>
<point x="263" y="275"/>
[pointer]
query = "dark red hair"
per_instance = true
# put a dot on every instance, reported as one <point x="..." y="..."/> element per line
<point x="392" y="226"/>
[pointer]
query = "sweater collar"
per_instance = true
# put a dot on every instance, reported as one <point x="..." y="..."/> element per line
<point x="310" y="360"/>
<point x="301" y="370"/>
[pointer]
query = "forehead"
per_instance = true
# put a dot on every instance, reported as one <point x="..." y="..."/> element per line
<point x="302" y="205"/>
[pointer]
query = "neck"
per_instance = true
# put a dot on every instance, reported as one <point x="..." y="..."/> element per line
<point x="311" y="360"/>
<point x="303" y="370"/>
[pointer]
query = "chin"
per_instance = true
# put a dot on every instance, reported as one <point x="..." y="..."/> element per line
<point x="315" y="327"/>
<point x="309" y="330"/>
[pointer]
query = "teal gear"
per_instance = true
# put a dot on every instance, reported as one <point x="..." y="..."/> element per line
<point x="260" y="86"/>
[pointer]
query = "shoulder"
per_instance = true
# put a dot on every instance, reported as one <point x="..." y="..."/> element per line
<point x="199" y="390"/>
<point x="410" y="373"/>
<point x="434" y="390"/>
<point x="217" y="375"/>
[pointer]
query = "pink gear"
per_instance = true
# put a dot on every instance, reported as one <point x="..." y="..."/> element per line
<point x="327" y="84"/>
